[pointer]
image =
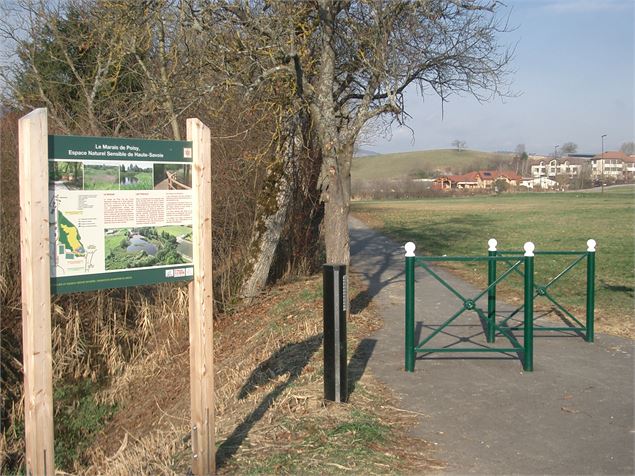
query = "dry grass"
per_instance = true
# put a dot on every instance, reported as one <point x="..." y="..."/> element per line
<point x="270" y="412"/>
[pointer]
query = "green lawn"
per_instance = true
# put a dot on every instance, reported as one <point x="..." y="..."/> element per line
<point x="175" y="230"/>
<point x="101" y="177"/>
<point x="553" y="221"/>
<point x="114" y="242"/>
<point x="421" y="163"/>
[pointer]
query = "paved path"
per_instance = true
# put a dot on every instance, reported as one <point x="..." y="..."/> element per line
<point x="606" y="187"/>
<point x="572" y="415"/>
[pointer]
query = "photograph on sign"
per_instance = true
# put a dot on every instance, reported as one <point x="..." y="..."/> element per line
<point x="66" y="175"/>
<point x="120" y="212"/>
<point x="148" y="246"/>
<point x="136" y="176"/>
<point x="172" y="176"/>
<point x="100" y="176"/>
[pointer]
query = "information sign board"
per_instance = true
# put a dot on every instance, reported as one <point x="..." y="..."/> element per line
<point x="120" y="212"/>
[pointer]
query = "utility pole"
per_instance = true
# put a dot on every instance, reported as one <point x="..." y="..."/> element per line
<point x="603" y="136"/>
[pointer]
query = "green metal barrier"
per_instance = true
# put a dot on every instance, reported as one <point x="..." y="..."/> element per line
<point x="470" y="304"/>
<point x="542" y="290"/>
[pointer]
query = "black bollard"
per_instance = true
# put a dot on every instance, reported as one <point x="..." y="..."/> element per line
<point x="335" y="310"/>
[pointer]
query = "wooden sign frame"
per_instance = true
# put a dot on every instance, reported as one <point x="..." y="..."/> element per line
<point x="201" y="304"/>
<point x="36" y="298"/>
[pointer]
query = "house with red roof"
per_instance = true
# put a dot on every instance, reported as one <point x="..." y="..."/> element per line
<point x="482" y="179"/>
<point x="629" y="166"/>
<point x="610" y="164"/>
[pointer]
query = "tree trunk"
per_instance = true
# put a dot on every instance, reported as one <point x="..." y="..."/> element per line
<point x="337" y="204"/>
<point x="299" y="250"/>
<point x="271" y="211"/>
<point x="337" y="150"/>
<point x="168" y="104"/>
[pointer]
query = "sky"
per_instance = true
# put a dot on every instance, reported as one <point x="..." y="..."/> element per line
<point x="574" y="65"/>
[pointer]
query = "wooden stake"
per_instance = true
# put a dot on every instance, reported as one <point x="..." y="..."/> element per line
<point x="201" y="304"/>
<point x="36" y="293"/>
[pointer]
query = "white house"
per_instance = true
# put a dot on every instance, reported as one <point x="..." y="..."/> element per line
<point x="543" y="183"/>
<point x="610" y="164"/>
<point x="569" y="166"/>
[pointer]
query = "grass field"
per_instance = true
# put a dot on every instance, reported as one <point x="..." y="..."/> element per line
<point x="420" y="163"/>
<point x="101" y="177"/>
<point x="554" y="221"/>
<point x="175" y="230"/>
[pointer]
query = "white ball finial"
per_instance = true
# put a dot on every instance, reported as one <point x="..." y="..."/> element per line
<point x="410" y="249"/>
<point x="529" y="248"/>
<point x="591" y="245"/>
<point x="492" y="244"/>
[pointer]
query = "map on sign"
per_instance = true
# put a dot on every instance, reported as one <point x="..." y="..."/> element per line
<point x="120" y="212"/>
<point x="69" y="236"/>
<point x="73" y="249"/>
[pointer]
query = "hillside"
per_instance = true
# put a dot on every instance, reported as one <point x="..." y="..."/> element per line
<point x="423" y="163"/>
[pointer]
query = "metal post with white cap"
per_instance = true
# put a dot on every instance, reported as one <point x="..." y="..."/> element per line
<point x="491" y="291"/>
<point x="410" y="307"/>
<point x="528" y="325"/>
<point x="590" y="290"/>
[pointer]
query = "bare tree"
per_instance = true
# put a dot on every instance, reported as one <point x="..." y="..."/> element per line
<point x="628" y="148"/>
<point x="521" y="158"/>
<point x="459" y="144"/>
<point x="569" y="148"/>
<point x="116" y="68"/>
<point x="520" y="149"/>
<point x="340" y="64"/>
<point x="70" y="59"/>
<point x="352" y="61"/>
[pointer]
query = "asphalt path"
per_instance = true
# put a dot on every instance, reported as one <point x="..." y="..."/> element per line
<point x="572" y="415"/>
<point x="606" y="187"/>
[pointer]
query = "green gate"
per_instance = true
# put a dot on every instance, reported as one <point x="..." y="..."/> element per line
<point x="517" y="261"/>
<point x="522" y="265"/>
<point x="543" y="290"/>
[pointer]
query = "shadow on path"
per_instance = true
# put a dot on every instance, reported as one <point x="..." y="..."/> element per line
<point x="373" y="250"/>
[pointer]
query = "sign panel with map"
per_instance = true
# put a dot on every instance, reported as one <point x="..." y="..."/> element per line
<point x="120" y="212"/>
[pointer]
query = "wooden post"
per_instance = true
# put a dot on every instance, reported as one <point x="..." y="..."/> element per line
<point x="201" y="304"/>
<point x="36" y="293"/>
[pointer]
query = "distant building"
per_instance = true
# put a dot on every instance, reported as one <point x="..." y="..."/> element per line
<point x="543" y="183"/>
<point x="610" y="164"/>
<point x="537" y="157"/>
<point x="481" y="179"/>
<point x="580" y="156"/>
<point x="570" y="166"/>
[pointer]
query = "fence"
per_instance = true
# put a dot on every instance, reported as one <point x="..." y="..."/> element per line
<point x="516" y="263"/>
<point x="470" y="304"/>
<point x="174" y="184"/>
<point x="543" y="290"/>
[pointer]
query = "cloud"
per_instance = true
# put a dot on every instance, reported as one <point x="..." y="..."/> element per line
<point x="585" y="6"/>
